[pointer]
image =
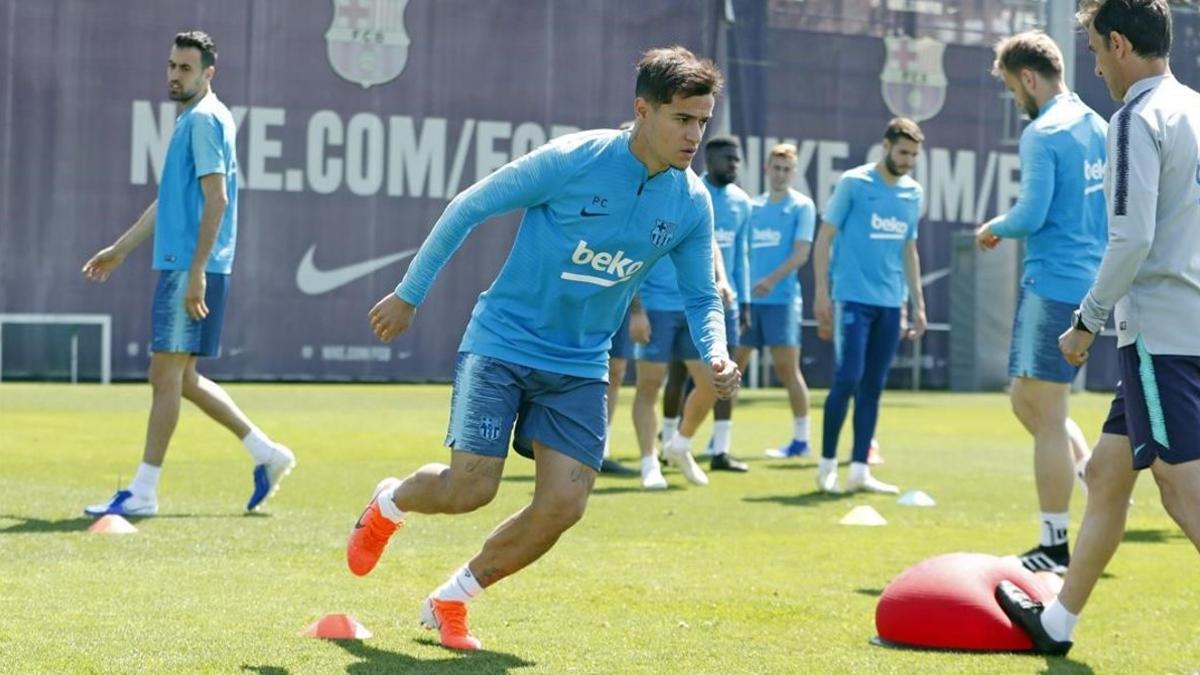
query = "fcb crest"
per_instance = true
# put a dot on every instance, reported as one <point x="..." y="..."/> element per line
<point x="914" y="83"/>
<point x="489" y="428"/>
<point x="662" y="233"/>
<point x="366" y="40"/>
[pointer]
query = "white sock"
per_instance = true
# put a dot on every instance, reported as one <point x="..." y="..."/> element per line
<point x="858" y="471"/>
<point x="827" y="465"/>
<point x="1058" y="622"/>
<point x="800" y="428"/>
<point x="649" y="464"/>
<point x="461" y="586"/>
<point x="387" y="506"/>
<point x="145" y="481"/>
<point x="261" y="448"/>
<point x="670" y="426"/>
<point x="679" y="442"/>
<point x="1054" y="528"/>
<point x="722" y="436"/>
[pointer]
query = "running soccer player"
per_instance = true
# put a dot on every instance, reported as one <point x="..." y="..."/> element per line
<point x="873" y="214"/>
<point x="781" y="235"/>
<point x="194" y="223"/>
<point x="731" y="209"/>
<point x="1060" y="214"/>
<point x="1150" y="277"/>
<point x="601" y="208"/>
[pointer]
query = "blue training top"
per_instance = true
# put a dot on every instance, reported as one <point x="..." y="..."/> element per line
<point x="1061" y="211"/>
<point x="731" y="227"/>
<point x="875" y="222"/>
<point x="595" y="224"/>
<point x="202" y="143"/>
<point x="775" y="227"/>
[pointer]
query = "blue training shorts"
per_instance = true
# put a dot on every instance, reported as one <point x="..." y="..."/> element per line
<point x="172" y="330"/>
<point x="1034" y="352"/>
<point x="774" y="325"/>
<point x="491" y="396"/>
<point x="1157" y="406"/>
<point x="671" y="340"/>
<point x="622" y="343"/>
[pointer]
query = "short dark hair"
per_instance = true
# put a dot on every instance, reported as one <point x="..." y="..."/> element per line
<point x="718" y="142"/>
<point x="201" y="41"/>
<point x="902" y="127"/>
<point x="1033" y="50"/>
<point x="662" y="73"/>
<point x="1145" y="23"/>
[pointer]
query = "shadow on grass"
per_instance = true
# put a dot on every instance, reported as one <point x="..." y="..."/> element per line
<point x="629" y="489"/>
<point x="46" y="526"/>
<point x="375" y="660"/>
<point x="872" y="592"/>
<point x="1151" y="536"/>
<point x="518" y="479"/>
<point x="815" y="498"/>
<point x="266" y="670"/>
<point x="1054" y="664"/>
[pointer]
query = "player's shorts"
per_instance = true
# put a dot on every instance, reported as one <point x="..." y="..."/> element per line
<point x="1157" y="406"/>
<point x="774" y="325"/>
<point x="622" y="342"/>
<point x="671" y="340"/>
<point x="172" y="330"/>
<point x="1034" y="352"/>
<point x="491" y="396"/>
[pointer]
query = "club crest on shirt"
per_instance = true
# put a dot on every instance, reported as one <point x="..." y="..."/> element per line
<point x="366" y="41"/>
<point x="662" y="233"/>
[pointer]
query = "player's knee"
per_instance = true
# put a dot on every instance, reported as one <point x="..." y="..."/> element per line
<point x="165" y="374"/>
<point x="560" y="511"/>
<point x="466" y="496"/>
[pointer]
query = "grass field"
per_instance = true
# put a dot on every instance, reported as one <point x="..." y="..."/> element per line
<point x="752" y="574"/>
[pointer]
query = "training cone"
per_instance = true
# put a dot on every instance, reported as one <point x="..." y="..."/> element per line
<point x="112" y="524"/>
<point x="337" y="627"/>
<point x="916" y="498"/>
<point x="863" y="515"/>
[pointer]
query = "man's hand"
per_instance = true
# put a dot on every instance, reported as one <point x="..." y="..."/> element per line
<point x="726" y="292"/>
<point x="99" y="266"/>
<point x="984" y="238"/>
<point x="193" y="299"/>
<point x="916" y="327"/>
<point x="727" y="378"/>
<point x="823" y="311"/>
<point x="1074" y="345"/>
<point x="639" y="327"/>
<point x="763" y="287"/>
<point x="391" y="317"/>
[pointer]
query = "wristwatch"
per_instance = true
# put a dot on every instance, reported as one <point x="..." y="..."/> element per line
<point x="1077" y="321"/>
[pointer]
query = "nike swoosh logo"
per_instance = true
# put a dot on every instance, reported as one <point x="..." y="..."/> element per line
<point x="313" y="281"/>
<point x="359" y="523"/>
<point x="588" y="214"/>
<point x="1139" y="448"/>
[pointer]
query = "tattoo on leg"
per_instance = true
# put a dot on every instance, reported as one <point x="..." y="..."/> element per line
<point x="486" y="468"/>
<point x="491" y="575"/>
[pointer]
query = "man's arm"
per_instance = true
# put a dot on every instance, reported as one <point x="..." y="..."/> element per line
<point x="822" y="305"/>
<point x="102" y="264"/>
<point x="1131" y="225"/>
<point x="720" y="276"/>
<point x="800" y="252"/>
<point x="696" y="272"/>
<point x="521" y="183"/>
<point x="1028" y="215"/>
<point x="912" y="270"/>
<point x="215" y="203"/>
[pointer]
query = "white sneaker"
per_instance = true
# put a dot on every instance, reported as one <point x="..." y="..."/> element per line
<point x="869" y="483"/>
<point x="124" y="503"/>
<point x="827" y="480"/>
<point x="268" y="476"/>
<point x="652" y="478"/>
<point x="682" y="459"/>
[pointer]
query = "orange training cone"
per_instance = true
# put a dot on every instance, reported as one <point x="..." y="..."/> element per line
<point x="112" y="524"/>
<point x="337" y="627"/>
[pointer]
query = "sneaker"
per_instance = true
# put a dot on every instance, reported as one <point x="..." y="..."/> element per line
<point x="727" y="462"/>
<point x="793" y="450"/>
<point x="1027" y="613"/>
<point x="652" y="478"/>
<point x="449" y="618"/>
<point x="827" y="480"/>
<point x="612" y="467"/>
<point x="874" y="458"/>
<point x="1047" y="559"/>
<point x="869" y="483"/>
<point x="682" y="459"/>
<point x="371" y="533"/>
<point x="268" y="476"/>
<point x="124" y="503"/>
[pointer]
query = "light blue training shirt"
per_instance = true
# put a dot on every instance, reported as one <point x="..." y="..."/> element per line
<point x="775" y="227"/>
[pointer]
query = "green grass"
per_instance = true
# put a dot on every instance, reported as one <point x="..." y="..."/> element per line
<point x="752" y="574"/>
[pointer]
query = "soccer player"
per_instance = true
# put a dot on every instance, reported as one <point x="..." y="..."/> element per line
<point x="601" y="207"/>
<point x="731" y="209"/>
<point x="1061" y="216"/>
<point x="873" y="215"/>
<point x="1150" y="275"/>
<point x="194" y="223"/>
<point x="781" y="235"/>
<point x="618" y="360"/>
